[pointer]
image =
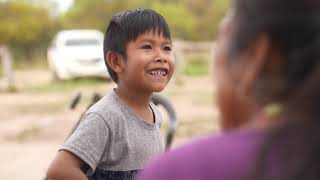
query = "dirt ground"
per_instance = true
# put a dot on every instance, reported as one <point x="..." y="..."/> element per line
<point x="34" y="123"/>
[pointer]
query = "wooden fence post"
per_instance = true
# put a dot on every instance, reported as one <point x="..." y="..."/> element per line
<point x="6" y="58"/>
<point x="180" y="60"/>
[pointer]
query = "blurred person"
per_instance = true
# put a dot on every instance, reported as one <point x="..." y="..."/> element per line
<point x="267" y="73"/>
<point x="119" y="133"/>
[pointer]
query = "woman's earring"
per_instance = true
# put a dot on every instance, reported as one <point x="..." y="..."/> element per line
<point x="273" y="109"/>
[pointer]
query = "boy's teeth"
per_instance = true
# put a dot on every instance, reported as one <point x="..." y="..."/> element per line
<point x="158" y="72"/>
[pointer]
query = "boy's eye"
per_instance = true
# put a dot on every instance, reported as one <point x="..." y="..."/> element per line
<point x="146" y="47"/>
<point x="167" y="48"/>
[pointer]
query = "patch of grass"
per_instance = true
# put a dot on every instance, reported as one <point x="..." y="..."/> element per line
<point x="28" y="134"/>
<point x="34" y="64"/>
<point x="56" y="86"/>
<point x="203" y="125"/>
<point x="42" y="107"/>
<point x="24" y="135"/>
<point x="204" y="98"/>
<point x="196" y="66"/>
<point x="198" y="97"/>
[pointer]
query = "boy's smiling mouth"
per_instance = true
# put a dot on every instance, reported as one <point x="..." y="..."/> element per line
<point x="159" y="72"/>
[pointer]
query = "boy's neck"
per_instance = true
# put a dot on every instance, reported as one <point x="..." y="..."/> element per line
<point x="138" y="102"/>
<point x="133" y="98"/>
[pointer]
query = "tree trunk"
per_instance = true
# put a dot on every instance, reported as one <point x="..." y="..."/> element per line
<point x="7" y="60"/>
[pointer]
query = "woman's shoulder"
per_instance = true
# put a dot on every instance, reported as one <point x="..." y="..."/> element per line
<point x="211" y="157"/>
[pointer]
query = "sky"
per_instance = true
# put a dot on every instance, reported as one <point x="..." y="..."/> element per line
<point x="64" y="4"/>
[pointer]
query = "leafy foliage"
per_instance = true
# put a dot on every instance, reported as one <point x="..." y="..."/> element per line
<point x="21" y="23"/>
<point x="180" y="20"/>
<point x="186" y="18"/>
<point x="25" y="27"/>
<point x="196" y="66"/>
<point x="28" y="26"/>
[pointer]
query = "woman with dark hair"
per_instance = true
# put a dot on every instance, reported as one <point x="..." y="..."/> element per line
<point x="267" y="74"/>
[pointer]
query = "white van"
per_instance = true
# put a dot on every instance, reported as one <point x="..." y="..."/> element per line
<point x="77" y="53"/>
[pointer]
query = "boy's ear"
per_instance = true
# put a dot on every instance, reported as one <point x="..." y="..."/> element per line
<point x="115" y="61"/>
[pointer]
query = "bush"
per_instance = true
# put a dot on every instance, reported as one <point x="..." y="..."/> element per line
<point x="196" y="66"/>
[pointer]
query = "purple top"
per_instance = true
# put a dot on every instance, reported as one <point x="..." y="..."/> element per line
<point x="230" y="156"/>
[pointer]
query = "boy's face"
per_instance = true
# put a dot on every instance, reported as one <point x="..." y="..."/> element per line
<point x="150" y="63"/>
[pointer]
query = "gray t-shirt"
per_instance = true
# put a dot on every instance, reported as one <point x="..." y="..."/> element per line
<point x="112" y="139"/>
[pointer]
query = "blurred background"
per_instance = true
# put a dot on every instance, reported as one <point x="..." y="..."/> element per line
<point x="35" y="114"/>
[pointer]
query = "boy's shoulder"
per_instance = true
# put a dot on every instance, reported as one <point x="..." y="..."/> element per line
<point x="107" y="106"/>
<point x="111" y="109"/>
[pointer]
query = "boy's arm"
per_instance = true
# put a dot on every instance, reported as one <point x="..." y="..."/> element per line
<point x="66" y="165"/>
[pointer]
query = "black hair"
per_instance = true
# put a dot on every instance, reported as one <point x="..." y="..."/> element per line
<point x="293" y="28"/>
<point x="126" y="26"/>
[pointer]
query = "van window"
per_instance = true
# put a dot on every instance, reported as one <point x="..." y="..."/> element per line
<point x="82" y="42"/>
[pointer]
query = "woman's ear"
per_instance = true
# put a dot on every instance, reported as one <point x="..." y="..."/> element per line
<point x="256" y="58"/>
<point x="115" y="61"/>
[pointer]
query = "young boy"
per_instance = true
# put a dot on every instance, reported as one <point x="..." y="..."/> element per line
<point x="121" y="132"/>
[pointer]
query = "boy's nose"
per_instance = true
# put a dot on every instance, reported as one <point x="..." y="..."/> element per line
<point x="161" y="59"/>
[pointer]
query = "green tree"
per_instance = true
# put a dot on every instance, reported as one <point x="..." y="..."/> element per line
<point x="96" y="13"/>
<point x="186" y="18"/>
<point x="209" y="22"/>
<point x="199" y="7"/>
<point x="25" y="27"/>
<point x="180" y="20"/>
